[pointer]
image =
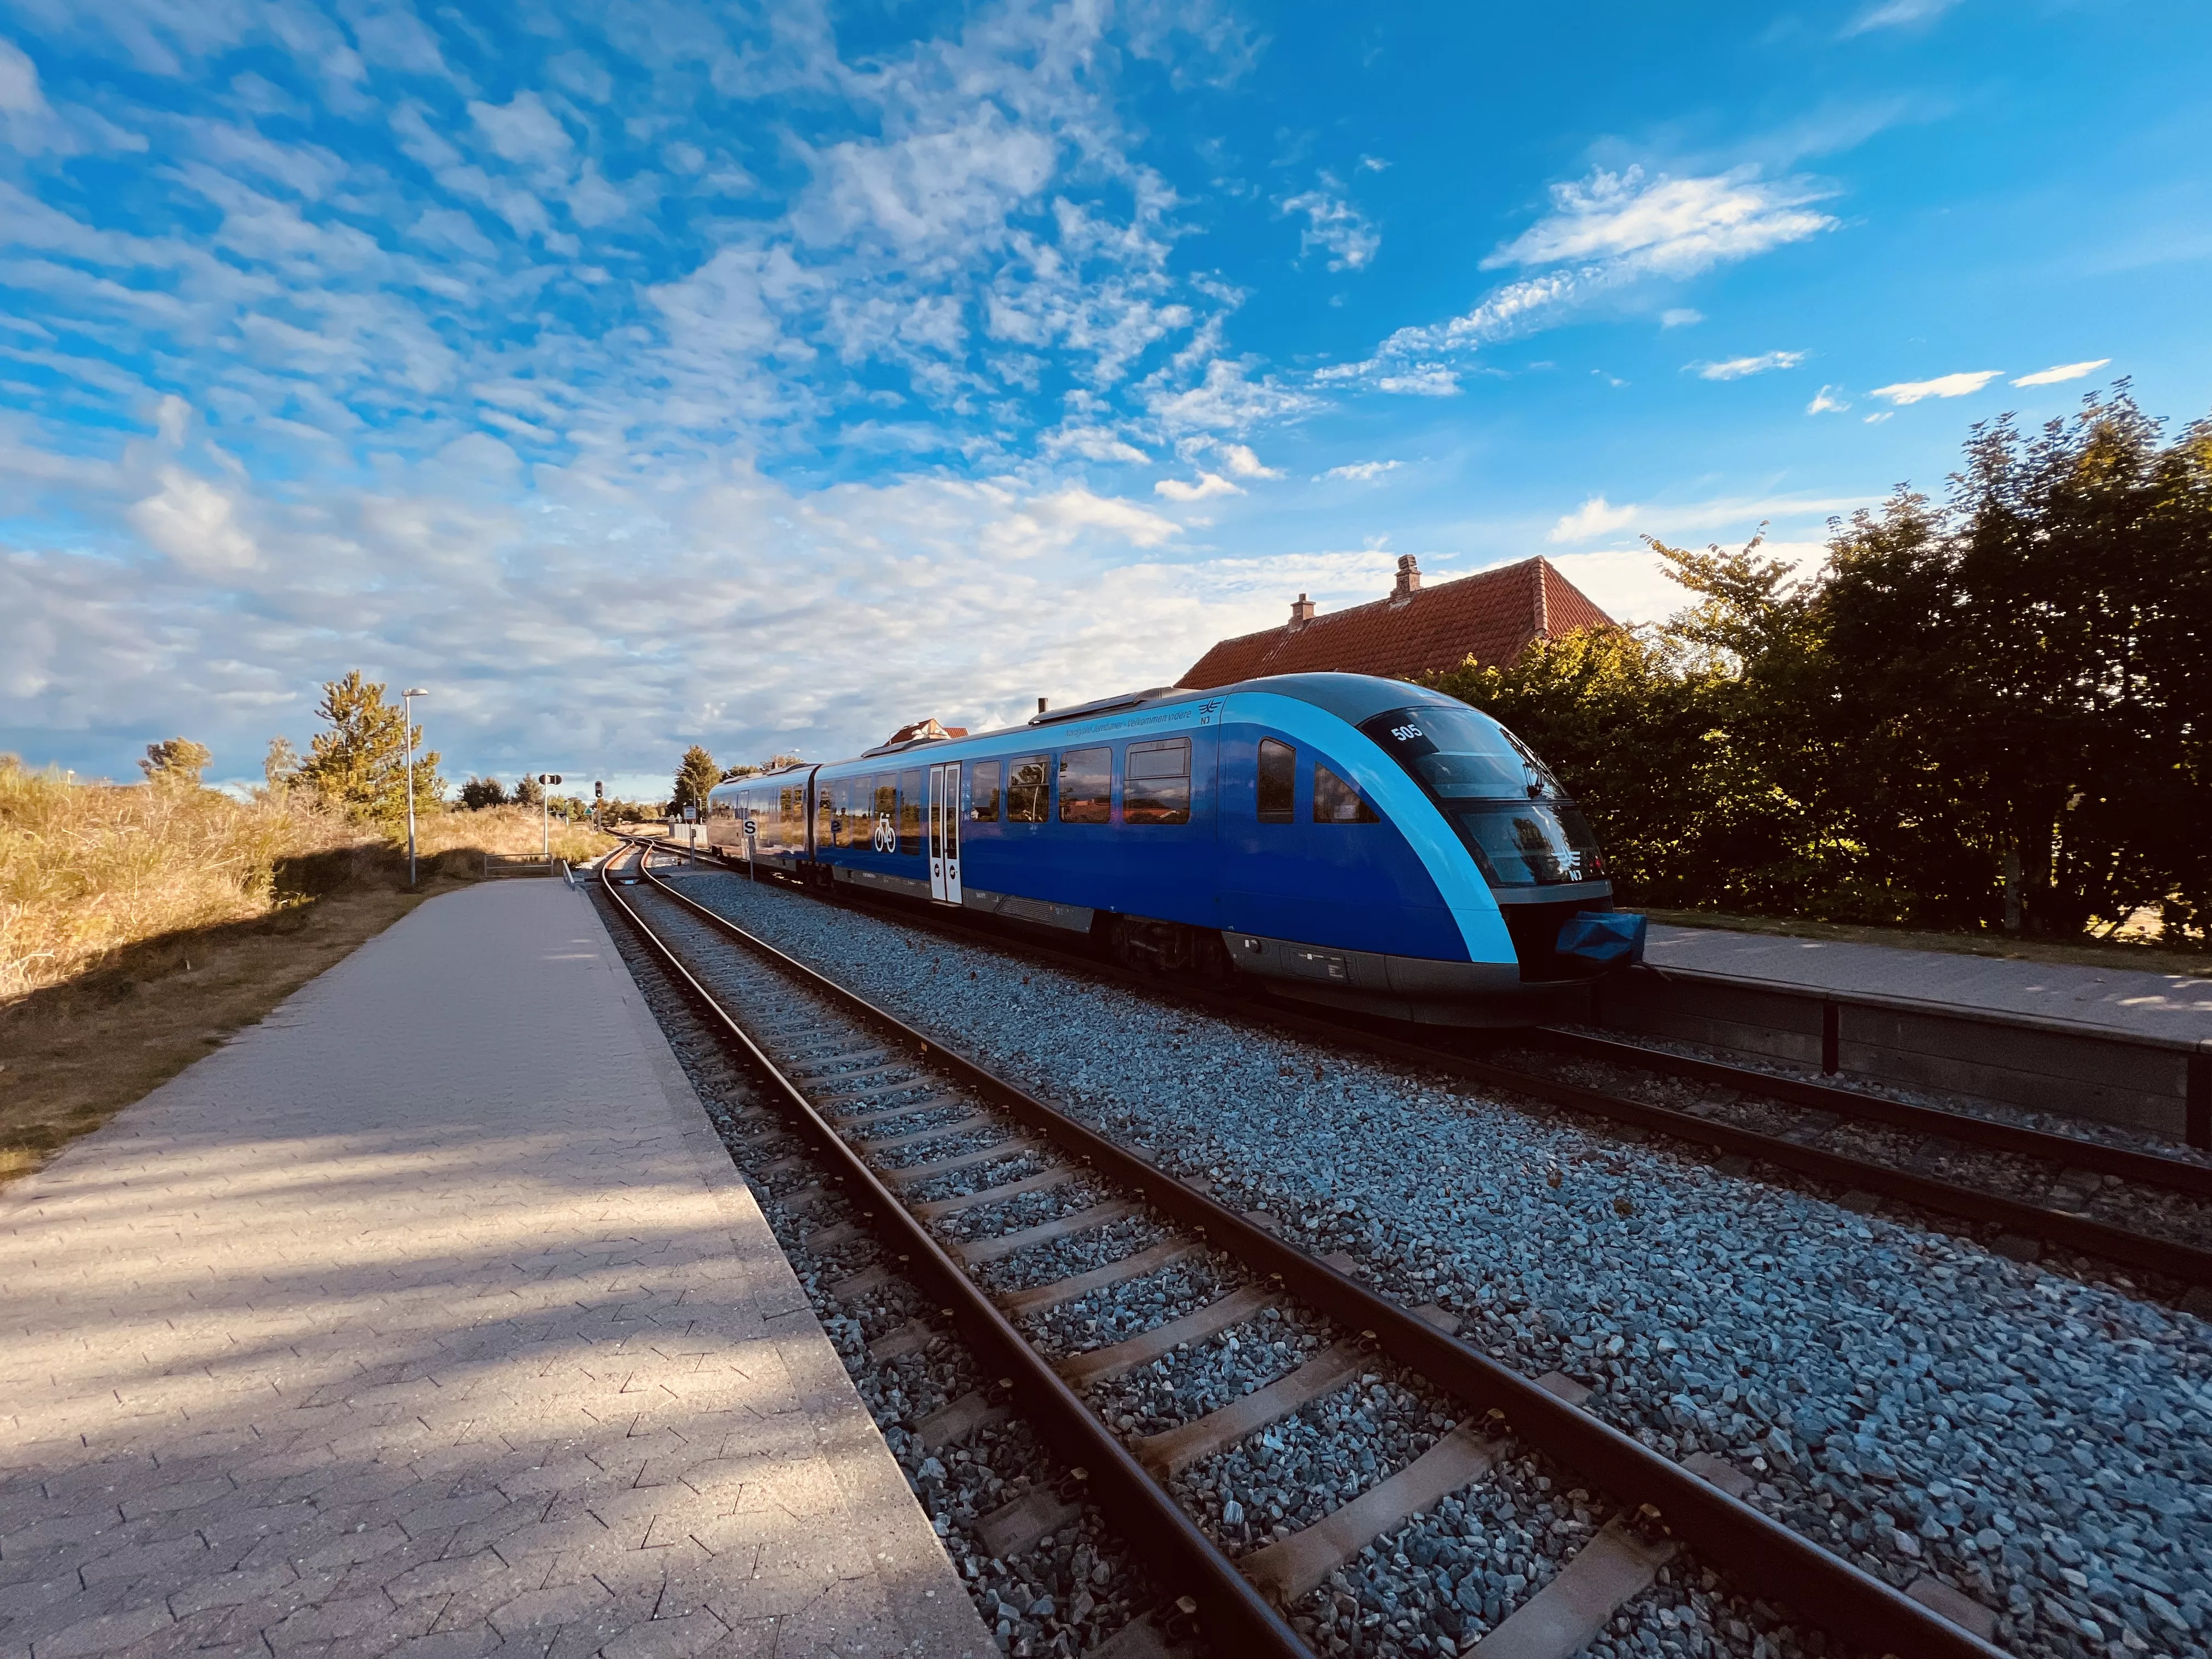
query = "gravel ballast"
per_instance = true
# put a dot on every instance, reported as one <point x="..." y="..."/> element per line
<point x="1900" y="1394"/>
<point x="1080" y="1583"/>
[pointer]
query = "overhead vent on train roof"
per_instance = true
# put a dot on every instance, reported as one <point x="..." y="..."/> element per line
<point x="1104" y="705"/>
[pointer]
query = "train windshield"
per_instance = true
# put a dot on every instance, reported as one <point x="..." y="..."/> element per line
<point x="1528" y="843"/>
<point x="1456" y="754"/>
<point x="1505" y="802"/>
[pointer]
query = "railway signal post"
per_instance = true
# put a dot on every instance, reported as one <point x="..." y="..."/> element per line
<point x="545" y="813"/>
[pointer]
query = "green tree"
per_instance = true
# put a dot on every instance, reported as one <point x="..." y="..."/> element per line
<point x="480" y="793"/>
<point x="358" y="763"/>
<point x="176" y="761"/>
<point x="528" y="792"/>
<point x="694" y="777"/>
<point x="1991" y="711"/>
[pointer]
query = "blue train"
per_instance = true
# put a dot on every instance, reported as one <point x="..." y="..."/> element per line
<point x="1348" y="840"/>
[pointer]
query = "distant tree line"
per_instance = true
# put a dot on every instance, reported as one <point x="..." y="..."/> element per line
<point x="1992" y="712"/>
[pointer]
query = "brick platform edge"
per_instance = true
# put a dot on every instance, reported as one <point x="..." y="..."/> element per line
<point x="294" y="1356"/>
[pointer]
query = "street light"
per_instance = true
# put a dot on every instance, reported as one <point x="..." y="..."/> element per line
<point x="407" y="701"/>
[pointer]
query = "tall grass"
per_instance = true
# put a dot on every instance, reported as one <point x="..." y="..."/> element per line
<point x="88" y="868"/>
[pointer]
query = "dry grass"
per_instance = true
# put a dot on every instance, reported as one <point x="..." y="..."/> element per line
<point x="503" y="829"/>
<point x="87" y="869"/>
<point x="139" y="927"/>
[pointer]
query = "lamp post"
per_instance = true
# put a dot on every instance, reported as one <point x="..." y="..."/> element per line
<point x="407" y="701"/>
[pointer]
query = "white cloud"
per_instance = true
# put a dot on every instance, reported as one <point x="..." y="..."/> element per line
<point x="524" y="130"/>
<point x="1422" y="381"/>
<point x="1825" y="402"/>
<point x="1244" y="464"/>
<point x="1335" y="226"/>
<point x="1092" y="442"/>
<point x="1736" y="369"/>
<point x="195" y="523"/>
<point x="1876" y="420"/>
<point x="1897" y="13"/>
<point x="1225" y="400"/>
<point x="1943" y="386"/>
<point x="1680" y="317"/>
<point x="1595" y="517"/>
<point x="19" y="82"/>
<point x="1606" y="232"/>
<point x="1208" y="484"/>
<point x="1359" y="471"/>
<point x="1076" y="508"/>
<point x="2063" y="372"/>
<point x="1673" y="227"/>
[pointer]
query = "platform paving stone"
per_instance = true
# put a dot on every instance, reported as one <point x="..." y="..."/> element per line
<point x="429" y="1317"/>
<point x="2125" y="1001"/>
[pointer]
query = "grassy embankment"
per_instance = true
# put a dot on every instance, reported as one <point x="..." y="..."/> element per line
<point x="139" y="927"/>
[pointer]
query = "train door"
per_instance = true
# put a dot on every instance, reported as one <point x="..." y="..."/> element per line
<point x="944" y="833"/>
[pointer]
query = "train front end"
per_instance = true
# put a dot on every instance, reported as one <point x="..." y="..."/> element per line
<point x="1534" y="847"/>
<point x="1482" y="897"/>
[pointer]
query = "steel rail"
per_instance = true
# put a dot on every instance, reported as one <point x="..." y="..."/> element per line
<point x="1782" y="1563"/>
<point x="1229" y="1607"/>
<point x="2190" y="1264"/>
<point x="2186" y="1262"/>
<point x="2150" y="1168"/>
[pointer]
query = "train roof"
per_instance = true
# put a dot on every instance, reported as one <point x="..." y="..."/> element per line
<point x="1351" y="697"/>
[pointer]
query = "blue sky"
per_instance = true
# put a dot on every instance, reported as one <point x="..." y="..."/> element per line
<point x="638" y="374"/>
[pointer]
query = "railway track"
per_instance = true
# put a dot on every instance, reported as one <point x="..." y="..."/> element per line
<point x="936" y="1154"/>
<point x="1745" y="1125"/>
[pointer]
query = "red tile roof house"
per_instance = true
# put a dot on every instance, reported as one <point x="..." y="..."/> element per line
<point x="1491" y="616"/>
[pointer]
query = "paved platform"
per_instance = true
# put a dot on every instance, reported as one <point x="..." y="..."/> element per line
<point x="429" y="1317"/>
<point x="2168" y="1006"/>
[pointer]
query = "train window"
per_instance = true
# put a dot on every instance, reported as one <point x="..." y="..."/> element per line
<point x="1086" y="786"/>
<point x="1156" y="782"/>
<point x="909" y="818"/>
<point x="882" y="827"/>
<point x="1279" y="781"/>
<point x="825" y="828"/>
<point x="1336" y="801"/>
<point x="1029" y="789"/>
<point x="984" y="791"/>
<point x="792" y="803"/>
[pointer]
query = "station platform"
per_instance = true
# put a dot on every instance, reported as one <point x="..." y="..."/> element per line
<point x="2120" y="1001"/>
<point x="429" y="1317"/>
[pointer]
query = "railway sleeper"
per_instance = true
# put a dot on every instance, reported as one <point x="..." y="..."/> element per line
<point x="1619" y="1562"/>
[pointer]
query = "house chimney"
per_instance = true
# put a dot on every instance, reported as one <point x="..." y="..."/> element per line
<point x="1409" y="577"/>
<point x="1301" y="611"/>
